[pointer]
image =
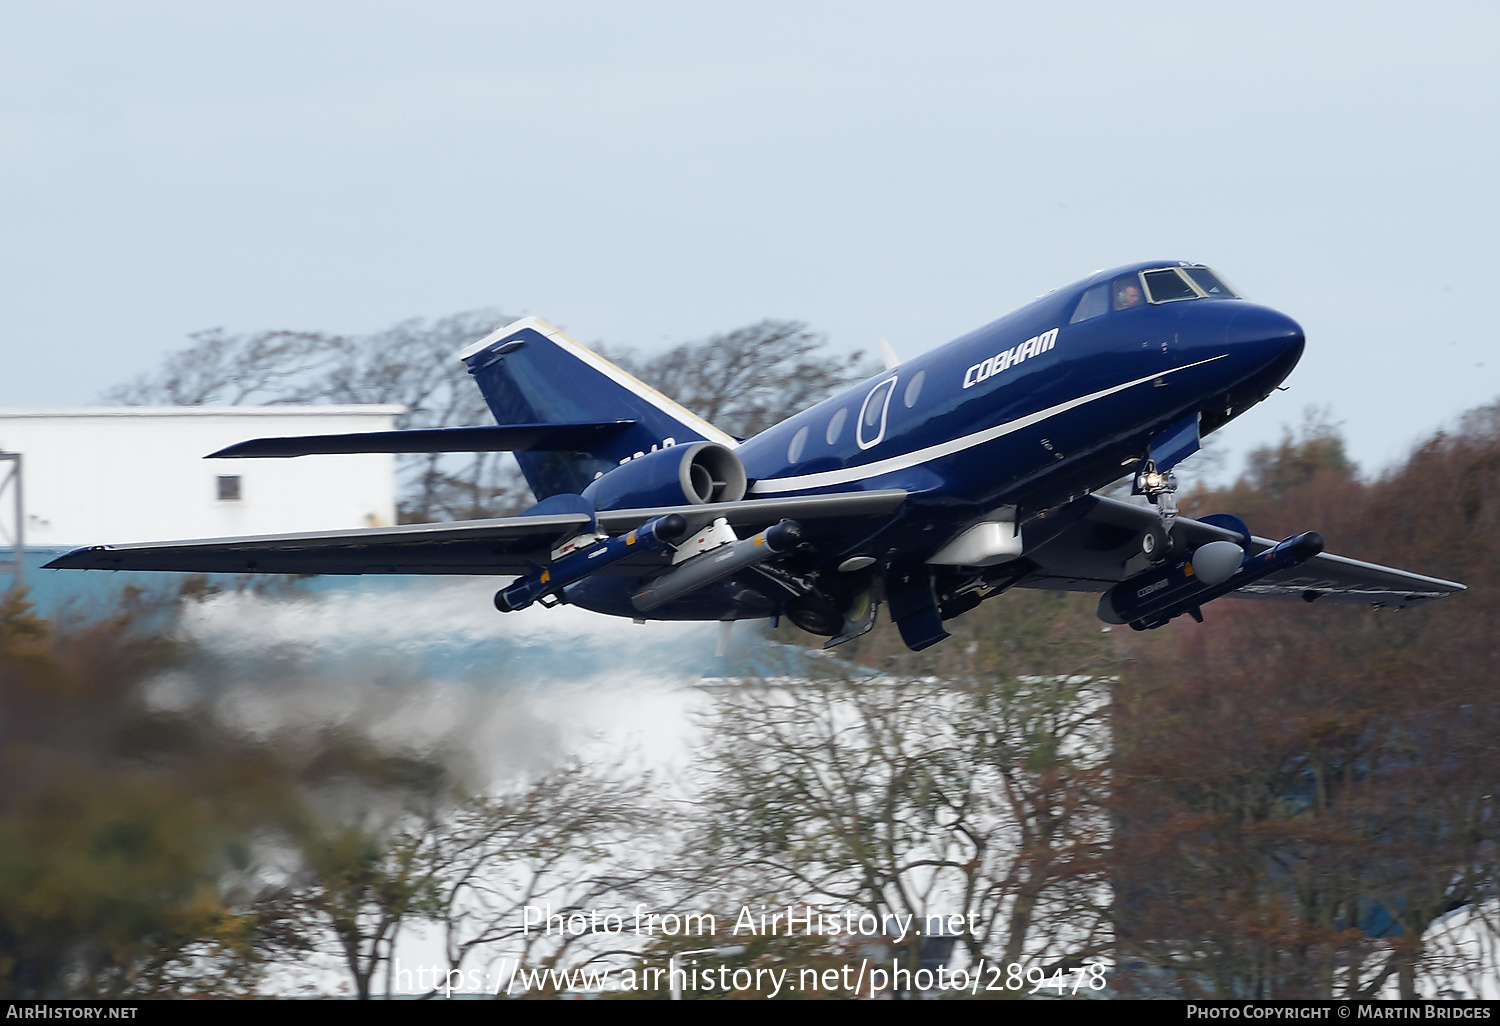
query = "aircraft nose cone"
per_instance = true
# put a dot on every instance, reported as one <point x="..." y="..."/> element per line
<point x="1266" y="336"/>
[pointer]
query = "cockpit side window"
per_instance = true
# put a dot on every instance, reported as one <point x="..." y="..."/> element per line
<point x="1095" y="303"/>
<point x="1127" y="292"/>
<point x="1167" y="286"/>
<point x="1212" y="285"/>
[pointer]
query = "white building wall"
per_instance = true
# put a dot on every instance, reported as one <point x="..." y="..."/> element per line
<point x="106" y="475"/>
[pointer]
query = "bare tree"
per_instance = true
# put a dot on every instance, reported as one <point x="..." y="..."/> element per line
<point x="747" y="380"/>
<point x="574" y="841"/>
<point x="484" y="873"/>
<point x="266" y="367"/>
<point x="981" y="800"/>
<point x="415" y="364"/>
<point x="359" y="890"/>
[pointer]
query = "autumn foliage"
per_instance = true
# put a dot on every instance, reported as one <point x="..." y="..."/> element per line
<point x="1302" y="792"/>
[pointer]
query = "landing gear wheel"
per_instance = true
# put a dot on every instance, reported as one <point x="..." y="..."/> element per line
<point x="1160" y="544"/>
<point x="815" y="615"/>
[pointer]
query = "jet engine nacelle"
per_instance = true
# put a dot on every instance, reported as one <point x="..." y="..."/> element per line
<point x="679" y="475"/>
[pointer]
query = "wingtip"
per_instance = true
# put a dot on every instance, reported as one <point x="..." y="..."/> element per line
<point x="71" y="560"/>
<point x="239" y="450"/>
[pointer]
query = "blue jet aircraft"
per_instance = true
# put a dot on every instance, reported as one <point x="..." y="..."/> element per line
<point x="939" y="483"/>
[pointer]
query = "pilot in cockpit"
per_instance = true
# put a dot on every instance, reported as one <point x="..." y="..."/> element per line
<point x="1127" y="293"/>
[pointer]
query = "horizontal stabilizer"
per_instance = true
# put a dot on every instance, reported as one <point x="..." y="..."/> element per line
<point x="502" y="438"/>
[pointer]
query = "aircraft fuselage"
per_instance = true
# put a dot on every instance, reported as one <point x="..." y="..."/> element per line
<point x="1061" y="397"/>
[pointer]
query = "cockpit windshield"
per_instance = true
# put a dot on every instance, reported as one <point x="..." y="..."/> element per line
<point x="1168" y="286"/>
<point x="1173" y="284"/>
<point x="1155" y="286"/>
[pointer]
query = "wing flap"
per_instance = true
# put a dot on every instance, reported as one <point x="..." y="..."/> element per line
<point x="1348" y="580"/>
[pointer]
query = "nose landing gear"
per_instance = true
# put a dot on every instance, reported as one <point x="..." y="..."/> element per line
<point x="1160" y="543"/>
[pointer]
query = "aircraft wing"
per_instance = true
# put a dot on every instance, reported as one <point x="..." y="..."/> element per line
<point x="1347" y="580"/>
<point x="507" y="546"/>
<point x="1095" y="542"/>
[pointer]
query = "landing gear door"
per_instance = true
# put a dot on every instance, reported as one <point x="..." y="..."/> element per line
<point x="1176" y="443"/>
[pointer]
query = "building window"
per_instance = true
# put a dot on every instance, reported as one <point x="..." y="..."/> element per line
<point x="229" y="488"/>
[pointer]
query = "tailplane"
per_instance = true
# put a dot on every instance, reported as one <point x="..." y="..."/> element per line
<point x="531" y="373"/>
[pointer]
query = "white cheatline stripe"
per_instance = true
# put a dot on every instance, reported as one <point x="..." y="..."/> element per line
<point x="687" y="417"/>
<point x="948" y="448"/>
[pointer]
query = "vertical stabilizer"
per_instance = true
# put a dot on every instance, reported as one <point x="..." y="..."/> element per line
<point x="531" y="373"/>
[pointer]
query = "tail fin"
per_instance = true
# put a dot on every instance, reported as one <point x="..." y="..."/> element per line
<point x="531" y="373"/>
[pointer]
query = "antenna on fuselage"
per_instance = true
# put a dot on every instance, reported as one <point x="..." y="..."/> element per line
<point x="892" y="361"/>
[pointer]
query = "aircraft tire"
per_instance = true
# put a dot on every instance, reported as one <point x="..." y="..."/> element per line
<point x="815" y="615"/>
<point x="1160" y="545"/>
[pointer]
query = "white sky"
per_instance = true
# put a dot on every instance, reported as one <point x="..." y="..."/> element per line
<point x="648" y="172"/>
